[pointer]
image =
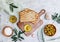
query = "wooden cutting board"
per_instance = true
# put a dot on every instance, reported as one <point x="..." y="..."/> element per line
<point x="34" y="26"/>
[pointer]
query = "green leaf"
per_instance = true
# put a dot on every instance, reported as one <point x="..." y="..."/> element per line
<point x="19" y="34"/>
<point x="14" y="38"/>
<point x="56" y="14"/>
<point x="13" y="5"/>
<point x="15" y="31"/>
<point x="22" y="38"/>
<point x="54" y="17"/>
<point x="11" y="8"/>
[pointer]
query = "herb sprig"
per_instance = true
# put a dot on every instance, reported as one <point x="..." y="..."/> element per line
<point x="56" y="18"/>
<point x="17" y="35"/>
<point x="12" y="6"/>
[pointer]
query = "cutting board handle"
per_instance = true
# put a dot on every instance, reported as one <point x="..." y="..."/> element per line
<point x="42" y="12"/>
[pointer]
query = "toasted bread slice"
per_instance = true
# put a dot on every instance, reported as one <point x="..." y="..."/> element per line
<point x="27" y="15"/>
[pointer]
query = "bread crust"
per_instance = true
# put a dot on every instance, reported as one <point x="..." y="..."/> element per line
<point x="28" y="15"/>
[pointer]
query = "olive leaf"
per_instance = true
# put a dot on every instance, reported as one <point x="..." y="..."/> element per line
<point x="17" y="35"/>
<point x="56" y="18"/>
<point x="15" y="30"/>
<point x="22" y="38"/>
<point x="14" y="38"/>
<point x="12" y="6"/>
<point x="20" y="32"/>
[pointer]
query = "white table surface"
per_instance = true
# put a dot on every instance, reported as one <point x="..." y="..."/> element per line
<point x="51" y="6"/>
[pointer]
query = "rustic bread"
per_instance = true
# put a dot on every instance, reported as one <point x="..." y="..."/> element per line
<point x="27" y="15"/>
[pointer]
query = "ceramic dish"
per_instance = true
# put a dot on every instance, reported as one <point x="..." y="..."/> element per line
<point x="7" y="31"/>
